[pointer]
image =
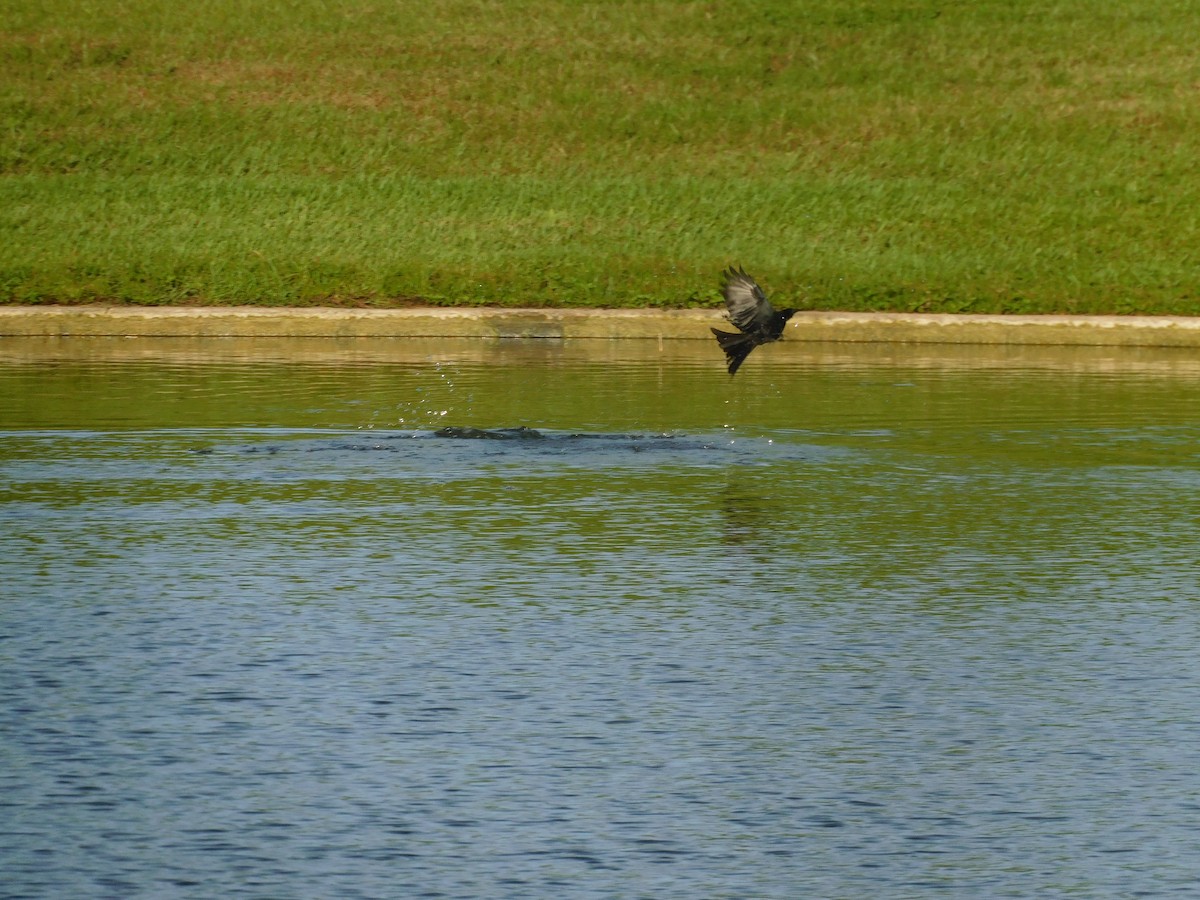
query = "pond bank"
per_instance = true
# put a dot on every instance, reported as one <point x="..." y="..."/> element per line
<point x="685" y="324"/>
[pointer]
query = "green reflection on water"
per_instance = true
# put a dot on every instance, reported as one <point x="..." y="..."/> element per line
<point x="934" y="394"/>
<point x="824" y="471"/>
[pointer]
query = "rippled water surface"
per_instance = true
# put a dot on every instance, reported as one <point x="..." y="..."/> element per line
<point x="532" y="619"/>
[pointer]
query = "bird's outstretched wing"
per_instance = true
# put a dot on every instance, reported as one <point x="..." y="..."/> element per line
<point x="745" y="301"/>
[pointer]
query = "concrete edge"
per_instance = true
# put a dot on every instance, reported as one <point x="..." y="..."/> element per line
<point x="685" y="324"/>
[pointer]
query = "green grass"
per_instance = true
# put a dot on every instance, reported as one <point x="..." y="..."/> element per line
<point x="996" y="156"/>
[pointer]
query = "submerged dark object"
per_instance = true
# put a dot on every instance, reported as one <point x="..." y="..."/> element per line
<point x="489" y="434"/>
<point x="751" y="313"/>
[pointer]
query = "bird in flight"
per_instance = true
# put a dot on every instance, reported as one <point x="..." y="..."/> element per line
<point x="752" y="313"/>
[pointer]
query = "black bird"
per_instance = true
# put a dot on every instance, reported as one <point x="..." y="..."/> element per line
<point x="752" y="313"/>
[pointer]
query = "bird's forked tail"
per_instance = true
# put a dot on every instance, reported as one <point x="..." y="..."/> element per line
<point x="736" y="346"/>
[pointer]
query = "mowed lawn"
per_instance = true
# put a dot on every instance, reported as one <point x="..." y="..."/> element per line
<point x="993" y="156"/>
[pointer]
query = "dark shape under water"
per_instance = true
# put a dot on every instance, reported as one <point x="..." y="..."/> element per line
<point x="489" y="434"/>
<point x="525" y="433"/>
<point x="752" y="313"/>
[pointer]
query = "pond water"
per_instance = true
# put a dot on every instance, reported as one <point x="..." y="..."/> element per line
<point x="593" y="620"/>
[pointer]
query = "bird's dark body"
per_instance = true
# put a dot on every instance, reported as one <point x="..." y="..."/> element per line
<point x="751" y="313"/>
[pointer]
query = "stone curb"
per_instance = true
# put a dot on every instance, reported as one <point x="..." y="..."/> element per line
<point x="686" y="324"/>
